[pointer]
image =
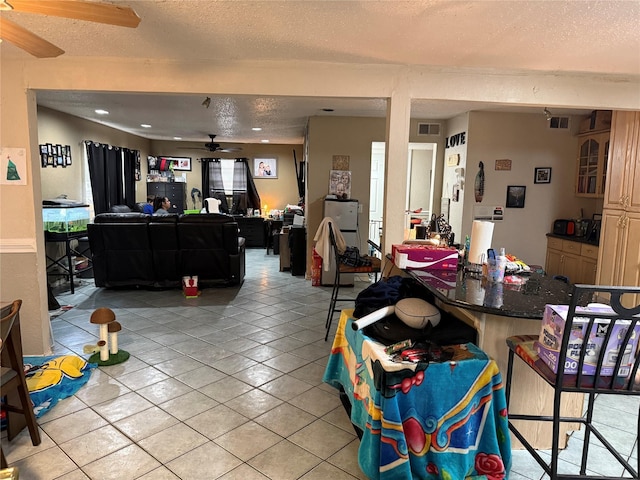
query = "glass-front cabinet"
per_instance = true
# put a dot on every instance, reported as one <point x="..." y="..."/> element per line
<point x="593" y="156"/>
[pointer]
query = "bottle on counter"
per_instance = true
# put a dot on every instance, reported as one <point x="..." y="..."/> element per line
<point x="467" y="247"/>
<point x="502" y="263"/>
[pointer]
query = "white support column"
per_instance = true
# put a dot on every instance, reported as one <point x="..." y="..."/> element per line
<point x="396" y="155"/>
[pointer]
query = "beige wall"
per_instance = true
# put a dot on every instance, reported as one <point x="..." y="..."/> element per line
<point x="352" y="136"/>
<point x="22" y="259"/>
<point x="276" y="193"/>
<point x="527" y="141"/>
<point x="329" y="136"/>
<point x="59" y="128"/>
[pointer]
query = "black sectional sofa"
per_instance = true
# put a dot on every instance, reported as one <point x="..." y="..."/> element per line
<point x="135" y="249"/>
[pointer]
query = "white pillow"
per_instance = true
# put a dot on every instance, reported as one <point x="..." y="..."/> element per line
<point x="417" y="313"/>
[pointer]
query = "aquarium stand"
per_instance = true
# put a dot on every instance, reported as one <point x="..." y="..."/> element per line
<point x="68" y="269"/>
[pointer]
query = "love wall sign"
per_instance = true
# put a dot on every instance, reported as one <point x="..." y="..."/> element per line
<point x="456" y="140"/>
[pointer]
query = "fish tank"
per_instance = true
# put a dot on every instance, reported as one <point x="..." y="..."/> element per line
<point x="65" y="218"/>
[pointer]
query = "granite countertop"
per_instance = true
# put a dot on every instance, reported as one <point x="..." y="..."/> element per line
<point x="526" y="299"/>
<point x="573" y="238"/>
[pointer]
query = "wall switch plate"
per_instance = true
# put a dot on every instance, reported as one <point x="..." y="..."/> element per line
<point x="359" y="208"/>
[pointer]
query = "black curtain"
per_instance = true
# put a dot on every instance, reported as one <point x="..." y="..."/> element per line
<point x="252" y="197"/>
<point x="300" y="174"/>
<point x="112" y="175"/>
<point x="212" y="184"/>
<point x="244" y="193"/>
<point x="301" y="180"/>
<point x="129" y="160"/>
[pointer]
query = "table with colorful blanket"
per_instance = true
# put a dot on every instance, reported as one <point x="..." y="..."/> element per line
<point x="422" y="420"/>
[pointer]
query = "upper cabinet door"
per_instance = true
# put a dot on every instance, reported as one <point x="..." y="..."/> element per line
<point x="593" y="156"/>
<point x="623" y="191"/>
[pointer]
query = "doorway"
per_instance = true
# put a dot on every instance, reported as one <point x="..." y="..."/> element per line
<point x="421" y="164"/>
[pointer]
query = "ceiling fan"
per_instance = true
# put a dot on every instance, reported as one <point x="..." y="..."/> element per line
<point x="212" y="146"/>
<point x="79" y="9"/>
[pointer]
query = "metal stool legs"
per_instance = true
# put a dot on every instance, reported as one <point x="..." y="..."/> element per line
<point x="332" y="302"/>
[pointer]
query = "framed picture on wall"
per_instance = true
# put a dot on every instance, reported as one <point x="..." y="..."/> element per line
<point x="138" y="173"/>
<point x="67" y="154"/>
<point x="542" y="175"/>
<point x="179" y="163"/>
<point x="44" y="155"/>
<point x="515" y="196"/>
<point x="340" y="184"/>
<point x="265" y="167"/>
<point x="49" y="150"/>
<point x="59" y="156"/>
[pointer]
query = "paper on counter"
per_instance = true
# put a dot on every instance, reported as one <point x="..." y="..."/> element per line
<point x="481" y="237"/>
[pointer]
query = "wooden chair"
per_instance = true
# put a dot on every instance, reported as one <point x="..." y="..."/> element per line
<point x="618" y="328"/>
<point x="340" y="269"/>
<point x="14" y="386"/>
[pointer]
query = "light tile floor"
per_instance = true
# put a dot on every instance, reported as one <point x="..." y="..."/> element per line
<point x="228" y="385"/>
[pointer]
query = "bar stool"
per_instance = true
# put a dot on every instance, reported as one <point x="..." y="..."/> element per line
<point x="14" y="385"/>
<point x="342" y="268"/>
<point x="596" y="368"/>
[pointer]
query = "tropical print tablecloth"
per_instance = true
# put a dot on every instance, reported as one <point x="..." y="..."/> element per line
<point x="426" y="420"/>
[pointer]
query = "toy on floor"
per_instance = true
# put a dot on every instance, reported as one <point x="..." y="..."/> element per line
<point x="103" y="353"/>
<point x="190" y="286"/>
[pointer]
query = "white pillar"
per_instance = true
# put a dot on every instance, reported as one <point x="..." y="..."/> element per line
<point x="396" y="155"/>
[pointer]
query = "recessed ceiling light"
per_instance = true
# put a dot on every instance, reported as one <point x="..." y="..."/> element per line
<point x="177" y="138"/>
<point x="264" y="141"/>
<point x="256" y="129"/>
<point x="145" y="125"/>
<point x="101" y="112"/>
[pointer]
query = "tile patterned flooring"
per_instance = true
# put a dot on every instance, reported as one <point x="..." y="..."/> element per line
<point x="225" y="386"/>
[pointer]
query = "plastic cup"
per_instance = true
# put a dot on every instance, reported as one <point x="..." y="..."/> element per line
<point x="495" y="270"/>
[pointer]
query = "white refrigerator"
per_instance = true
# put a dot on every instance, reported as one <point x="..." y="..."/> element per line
<point x="345" y="216"/>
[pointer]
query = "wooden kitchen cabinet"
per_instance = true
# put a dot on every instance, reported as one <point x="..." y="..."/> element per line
<point x="575" y="260"/>
<point x="619" y="262"/>
<point x="623" y="190"/>
<point x="619" y="256"/>
<point x="591" y="169"/>
<point x="588" y="264"/>
<point x="564" y="258"/>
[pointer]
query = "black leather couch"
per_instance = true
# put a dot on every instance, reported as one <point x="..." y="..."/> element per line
<point x="135" y="249"/>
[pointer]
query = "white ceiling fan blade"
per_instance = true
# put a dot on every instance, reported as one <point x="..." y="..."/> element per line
<point x="80" y="10"/>
<point x="27" y="41"/>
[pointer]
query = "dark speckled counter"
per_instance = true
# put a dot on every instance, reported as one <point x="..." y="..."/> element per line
<point x="524" y="299"/>
<point x="573" y="238"/>
<point x="498" y="311"/>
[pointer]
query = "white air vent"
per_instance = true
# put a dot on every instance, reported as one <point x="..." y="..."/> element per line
<point x="428" y="129"/>
<point x="559" y="123"/>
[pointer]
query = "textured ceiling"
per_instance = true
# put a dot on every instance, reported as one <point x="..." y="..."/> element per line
<point x="597" y="37"/>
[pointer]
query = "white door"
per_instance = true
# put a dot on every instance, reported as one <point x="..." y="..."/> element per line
<point x="421" y="172"/>
<point x="376" y="200"/>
